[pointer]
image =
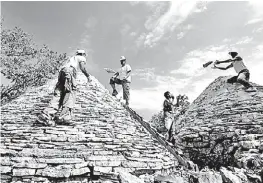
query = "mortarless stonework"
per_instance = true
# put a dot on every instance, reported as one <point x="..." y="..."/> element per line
<point x="107" y="140"/>
<point x="223" y="127"/>
<point x="103" y="141"/>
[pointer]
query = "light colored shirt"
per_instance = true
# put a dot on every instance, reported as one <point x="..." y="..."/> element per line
<point x="238" y="64"/>
<point x="123" y="72"/>
<point x="75" y="61"/>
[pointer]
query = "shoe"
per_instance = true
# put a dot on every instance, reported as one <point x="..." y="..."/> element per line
<point x="114" y="93"/>
<point x="45" y="121"/>
<point x="251" y="89"/>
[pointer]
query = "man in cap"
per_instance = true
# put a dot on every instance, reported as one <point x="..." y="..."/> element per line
<point x="123" y="77"/>
<point x="66" y="87"/>
<point x="243" y="73"/>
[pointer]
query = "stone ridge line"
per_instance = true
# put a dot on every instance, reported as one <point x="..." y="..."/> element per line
<point x="155" y="134"/>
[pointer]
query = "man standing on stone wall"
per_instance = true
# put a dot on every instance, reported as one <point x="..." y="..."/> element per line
<point x="123" y="77"/>
<point x="66" y="87"/>
<point x="239" y="66"/>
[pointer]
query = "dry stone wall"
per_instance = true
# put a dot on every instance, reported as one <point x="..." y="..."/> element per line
<point x="223" y="127"/>
<point x="103" y="141"/>
<point x="110" y="143"/>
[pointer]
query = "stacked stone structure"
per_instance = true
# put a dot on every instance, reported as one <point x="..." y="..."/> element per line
<point x="110" y="143"/>
<point x="223" y="127"/>
<point x="104" y="139"/>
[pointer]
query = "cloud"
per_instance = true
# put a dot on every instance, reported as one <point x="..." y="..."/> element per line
<point x="125" y="29"/>
<point x="255" y="64"/>
<point x="91" y="23"/>
<point x="133" y="34"/>
<point x="256" y="13"/>
<point x="85" y="42"/>
<point x="254" y="21"/>
<point x="257" y="7"/>
<point x="226" y="40"/>
<point x="245" y="40"/>
<point x="180" y="35"/>
<point x="258" y="30"/>
<point x="159" y="24"/>
<point x="146" y="74"/>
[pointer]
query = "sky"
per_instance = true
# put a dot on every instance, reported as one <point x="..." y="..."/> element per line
<point x="164" y="42"/>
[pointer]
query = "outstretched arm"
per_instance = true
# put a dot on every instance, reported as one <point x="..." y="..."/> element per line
<point x="224" y="68"/>
<point x="224" y="61"/>
<point x="83" y="69"/>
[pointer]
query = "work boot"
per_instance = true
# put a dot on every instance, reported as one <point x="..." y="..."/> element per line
<point x="45" y="120"/>
<point x="251" y="89"/>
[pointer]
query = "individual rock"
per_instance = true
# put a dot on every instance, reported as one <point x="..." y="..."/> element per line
<point x="80" y="171"/>
<point x="126" y="177"/>
<point x="5" y="169"/>
<point x="55" y="172"/>
<point x="168" y="179"/>
<point x="209" y="177"/>
<point x="230" y="177"/>
<point x="19" y="172"/>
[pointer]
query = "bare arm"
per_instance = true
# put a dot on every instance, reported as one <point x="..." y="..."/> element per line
<point x="224" y="61"/>
<point x="83" y="69"/>
<point x="224" y="68"/>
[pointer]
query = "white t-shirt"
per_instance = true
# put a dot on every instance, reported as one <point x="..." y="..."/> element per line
<point x="74" y="62"/>
<point x="238" y="64"/>
<point x="123" y="72"/>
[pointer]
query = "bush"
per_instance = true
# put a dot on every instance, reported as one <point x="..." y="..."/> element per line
<point x="24" y="63"/>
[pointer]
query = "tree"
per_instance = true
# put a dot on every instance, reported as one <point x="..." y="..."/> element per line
<point x="24" y="63"/>
<point x="157" y="119"/>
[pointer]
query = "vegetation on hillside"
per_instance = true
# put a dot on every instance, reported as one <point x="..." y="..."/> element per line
<point x="24" y="63"/>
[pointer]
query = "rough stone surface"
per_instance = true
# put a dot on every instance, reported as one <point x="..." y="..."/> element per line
<point x="109" y="143"/>
<point x="222" y="127"/>
<point x="104" y="136"/>
<point x="126" y="177"/>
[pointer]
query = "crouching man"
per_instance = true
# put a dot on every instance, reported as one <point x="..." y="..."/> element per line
<point x="243" y="73"/>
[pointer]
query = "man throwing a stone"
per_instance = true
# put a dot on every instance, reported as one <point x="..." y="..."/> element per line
<point x="243" y="73"/>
